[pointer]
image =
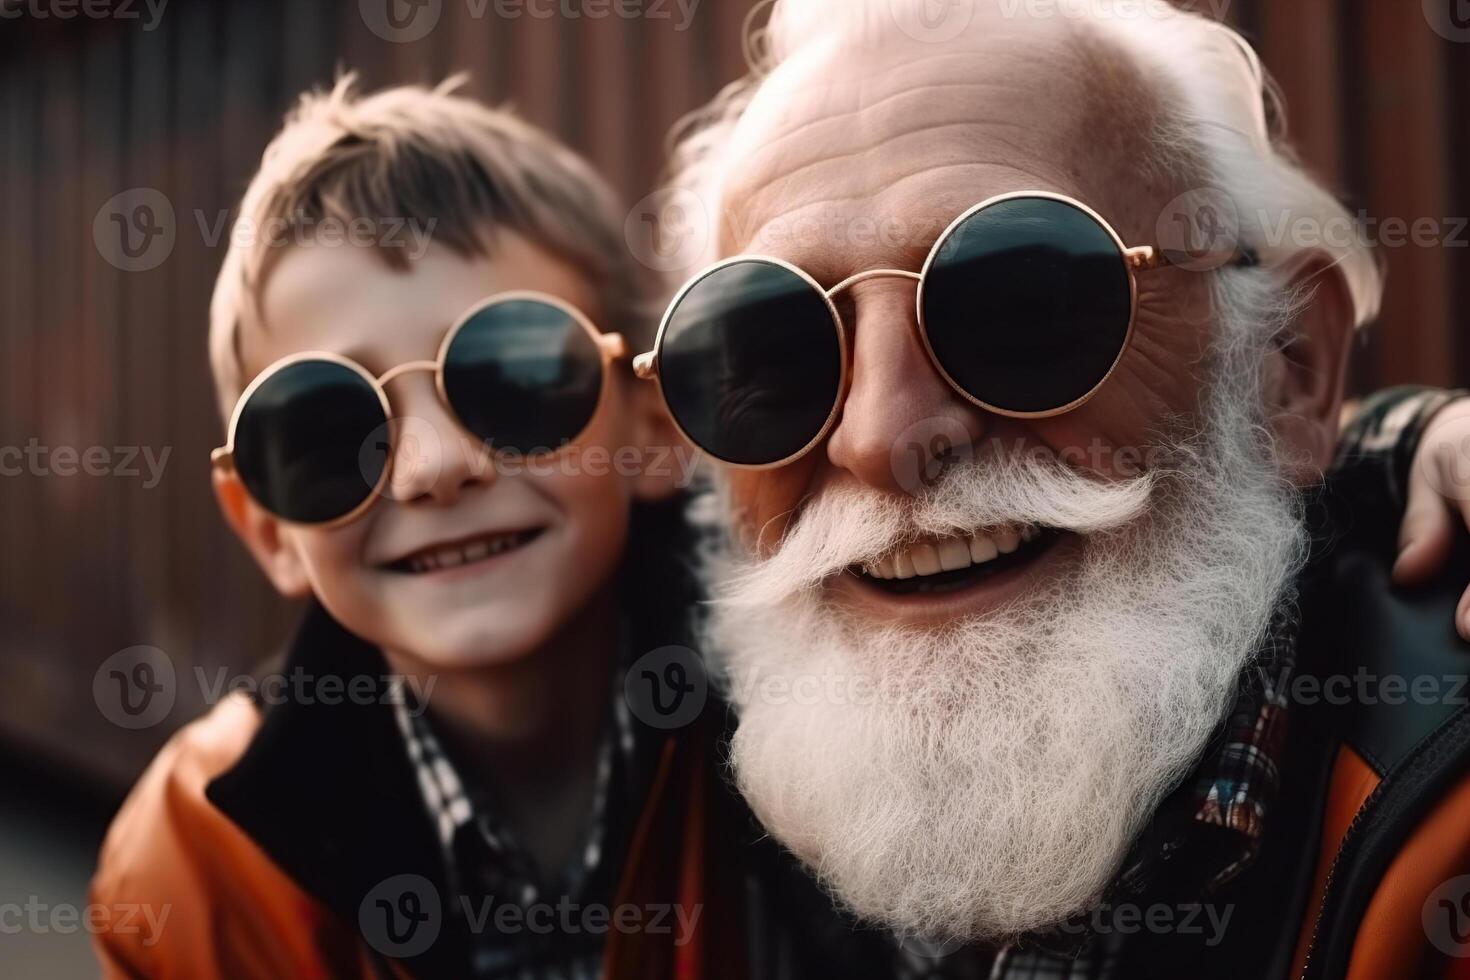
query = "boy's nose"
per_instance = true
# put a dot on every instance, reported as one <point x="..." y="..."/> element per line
<point x="434" y="458"/>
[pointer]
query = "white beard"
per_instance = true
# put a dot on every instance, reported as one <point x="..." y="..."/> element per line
<point x="986" y="779"/>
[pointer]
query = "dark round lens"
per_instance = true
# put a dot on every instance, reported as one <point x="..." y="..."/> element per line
<point x="751" y="362"/>
<point x="311" y="441"/>
<point x="523" y="375"/>
<point x="1027" y="304"/>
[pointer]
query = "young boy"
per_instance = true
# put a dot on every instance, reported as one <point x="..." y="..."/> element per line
<point x="450" y="785"/>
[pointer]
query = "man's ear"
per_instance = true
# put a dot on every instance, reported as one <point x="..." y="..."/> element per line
<point x="669" y="460"/>
<point x="262" y="535"/>
<point x="1306" y="373"/>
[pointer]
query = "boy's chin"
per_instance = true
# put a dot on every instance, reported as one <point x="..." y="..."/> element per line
<point x="449" y="645"/>
<point x="419" y="636"/>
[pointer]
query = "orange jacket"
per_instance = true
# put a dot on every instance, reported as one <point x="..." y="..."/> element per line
<point x="231" y="911"/>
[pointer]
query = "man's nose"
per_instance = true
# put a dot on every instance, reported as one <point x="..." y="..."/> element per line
<point x="901" y="420"/>
<point x="434" y="458"/>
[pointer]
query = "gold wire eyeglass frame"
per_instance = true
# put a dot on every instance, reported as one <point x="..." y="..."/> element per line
<point x="1136" y="259"/>
<point x="611" y="346"/>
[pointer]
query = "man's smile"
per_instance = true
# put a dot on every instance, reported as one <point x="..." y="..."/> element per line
<point x="927" y="563"/>
<point x="931" y="578"/>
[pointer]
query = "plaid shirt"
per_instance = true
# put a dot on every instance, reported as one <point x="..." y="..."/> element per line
<point x="487" y="868"/>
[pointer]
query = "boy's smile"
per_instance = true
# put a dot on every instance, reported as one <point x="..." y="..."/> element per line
<point x="465" y="554"/>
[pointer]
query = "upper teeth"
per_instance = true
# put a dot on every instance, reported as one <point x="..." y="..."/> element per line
<point x="459" y="554"/>
<point x="935" y="555"/>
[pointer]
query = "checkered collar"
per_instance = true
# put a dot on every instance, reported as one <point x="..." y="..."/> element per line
<point x="457" y="810"/>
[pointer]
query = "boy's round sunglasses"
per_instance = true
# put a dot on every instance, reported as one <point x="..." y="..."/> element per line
<point x="1026" y="304"/>
<point x="311" y="437"/>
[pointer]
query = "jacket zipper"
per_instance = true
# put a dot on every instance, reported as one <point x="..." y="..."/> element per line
<point x="1421" y="774"/>
<point x="1347" y="836"/>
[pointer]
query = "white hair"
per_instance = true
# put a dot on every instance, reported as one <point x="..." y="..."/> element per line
<point x="1226" y="123"/>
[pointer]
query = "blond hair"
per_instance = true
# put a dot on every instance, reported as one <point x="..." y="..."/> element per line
<point x="426" y="158"/>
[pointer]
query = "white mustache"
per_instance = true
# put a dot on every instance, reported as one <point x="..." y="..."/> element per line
<point x="848" y="525"/>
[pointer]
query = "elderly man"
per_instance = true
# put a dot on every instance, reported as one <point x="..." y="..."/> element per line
<point x="1025" y="414"/>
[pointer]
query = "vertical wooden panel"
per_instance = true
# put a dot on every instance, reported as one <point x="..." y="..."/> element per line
<point x="151" y="365"/>
<point x="606" y="95"/>
<point x="1301" y="43"/>
<point x="727" y="22"/>
<point x="538" y="63"/>
<point x="359" y="49"/>
<point x="104" y="66"/>
<point x="26" y="638"/>
<point x="664" y="54"/>
<point x="61" y="422"/>
<point x="475" y="47"/>
<point x="1457" y="126"/>
<point x="1406" y="158"/>
<point x="209" y="556"/>
<point x="308" y="46"/>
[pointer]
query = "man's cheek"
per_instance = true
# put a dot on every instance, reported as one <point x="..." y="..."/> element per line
<point x="763" y="502"/>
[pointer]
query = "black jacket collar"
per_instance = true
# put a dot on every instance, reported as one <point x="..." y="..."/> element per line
<point x="327" y="792"/>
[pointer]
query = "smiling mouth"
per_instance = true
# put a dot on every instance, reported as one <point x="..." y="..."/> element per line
<point x="937" y="565"/>
<point x="457" y="554"/>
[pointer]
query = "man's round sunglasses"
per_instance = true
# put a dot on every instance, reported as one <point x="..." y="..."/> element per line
<point x="311" y="437"/>
<point x="1026" y="304"/>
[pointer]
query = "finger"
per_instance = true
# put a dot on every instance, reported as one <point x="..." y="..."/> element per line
<point x="1462" y="616"/>
<point x="1427" y="531"/>
<point x="1461" y="503"/>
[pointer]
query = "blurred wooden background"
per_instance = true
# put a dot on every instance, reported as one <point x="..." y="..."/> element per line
<point x="94" y="356"/>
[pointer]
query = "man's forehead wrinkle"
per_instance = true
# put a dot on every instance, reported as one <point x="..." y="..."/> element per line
<point x="892" y="160"/>
<point x="838" y="105"/>
<point x="864" y="119"/>
<point x="852" y="141"/>
<point x="915" y="211"/>
<point x="840" y="125"/>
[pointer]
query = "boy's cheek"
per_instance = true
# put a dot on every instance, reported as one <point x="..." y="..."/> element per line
<point x="333" y="562"/>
